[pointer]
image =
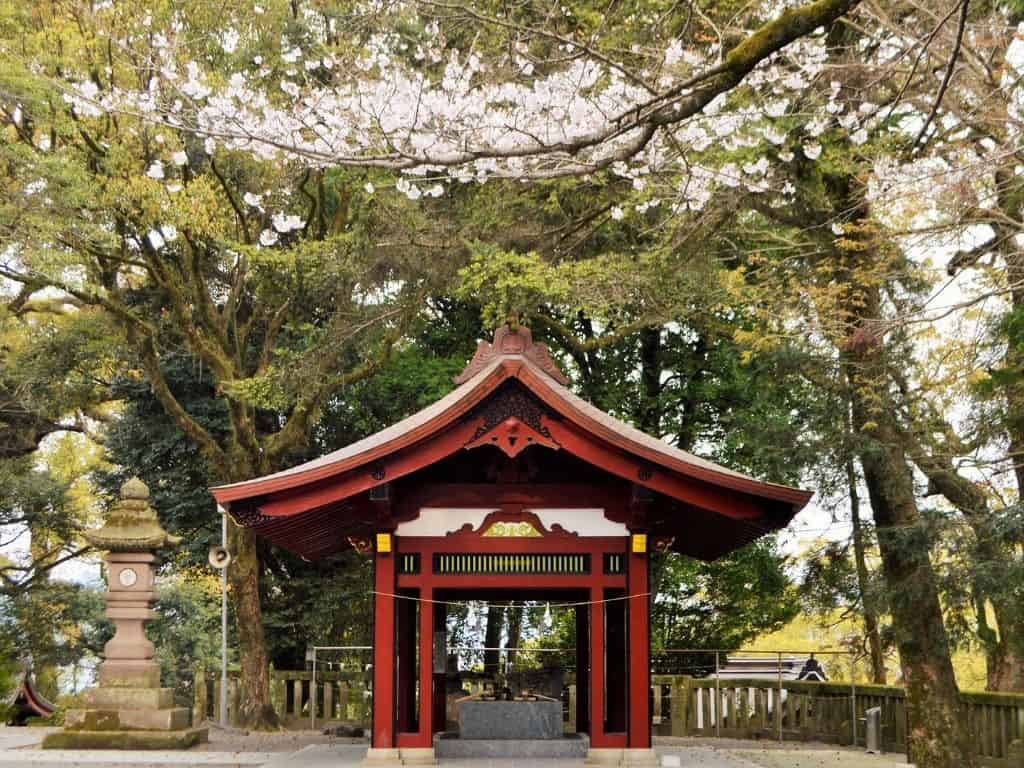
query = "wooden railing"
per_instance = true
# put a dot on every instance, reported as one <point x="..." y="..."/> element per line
<point x="340" y="697"/>
<point x="832" y="713"/>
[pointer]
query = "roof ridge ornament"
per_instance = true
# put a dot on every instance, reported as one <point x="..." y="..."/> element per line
<point x="512" y="340"/>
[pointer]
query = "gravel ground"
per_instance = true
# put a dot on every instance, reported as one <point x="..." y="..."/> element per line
<point x="759" y="745"/>
<point x="235" y="740"/>
<point x="823" y="758"/>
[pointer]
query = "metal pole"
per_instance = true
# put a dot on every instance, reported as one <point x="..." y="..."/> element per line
<point x="718" y="700"/>
<point x="312" y="695"/>
<point x="778" y="704"/>
<point x="853" y="698"/>
<point x="223" y="625"/>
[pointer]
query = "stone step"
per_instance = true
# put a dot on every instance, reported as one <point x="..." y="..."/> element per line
<point x="112" y="758"/>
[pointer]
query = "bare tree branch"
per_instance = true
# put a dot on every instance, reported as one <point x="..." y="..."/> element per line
<point x="964" y="5"/>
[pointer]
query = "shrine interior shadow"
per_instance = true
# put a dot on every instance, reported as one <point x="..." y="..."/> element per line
<point x="555" y="668"/>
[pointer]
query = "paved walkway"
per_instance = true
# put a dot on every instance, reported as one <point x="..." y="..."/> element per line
<point x="19" y="738"/>
<point x="112" y="758"/>
<point x="19" y="748"/>
<point x="331" y="756"/>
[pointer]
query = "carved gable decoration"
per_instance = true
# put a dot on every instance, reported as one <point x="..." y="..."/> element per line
<point x="511" y="524"/>
<point x="512" y="420"/>
<point x="512" y="341"/>
<point x="523" y="529"/>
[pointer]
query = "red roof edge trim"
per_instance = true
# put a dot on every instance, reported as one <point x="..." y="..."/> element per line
<point x="374" y="447"/>
<point x="662" y="456"/>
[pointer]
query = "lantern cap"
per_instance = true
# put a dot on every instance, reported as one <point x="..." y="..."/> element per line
<point x="131" y="524"/>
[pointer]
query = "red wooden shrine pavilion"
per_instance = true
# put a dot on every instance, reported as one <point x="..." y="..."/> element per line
<point x="510" y="487"/>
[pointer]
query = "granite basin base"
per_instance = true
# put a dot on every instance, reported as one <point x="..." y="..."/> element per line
<point x="513" y="720"/>
<point x="449" y="746"/>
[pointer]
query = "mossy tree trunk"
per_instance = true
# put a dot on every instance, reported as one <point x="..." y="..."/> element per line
<point x="649" y="410"/>
<point x="937" y="735"/>
<point x="515" y="631"/>
<point x="255" y="708"/>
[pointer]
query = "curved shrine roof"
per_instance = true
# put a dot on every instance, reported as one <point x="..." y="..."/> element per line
<point x="514" y="356"/>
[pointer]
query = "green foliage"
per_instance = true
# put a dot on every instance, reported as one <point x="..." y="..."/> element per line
<point x="34" y="498"/>
<point x="8" y="660"/>
<point x="52" y="369"/>
<point x="325" y="604"/>
<point x="186" y="630"/>
<point x="720" y="605"/>
<point x="508" y="284"/>
<point x="145" y="442"/>
<point x="55" y="625"/>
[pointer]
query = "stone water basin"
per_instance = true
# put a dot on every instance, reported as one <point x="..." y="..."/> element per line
<point x="510" y="719"/>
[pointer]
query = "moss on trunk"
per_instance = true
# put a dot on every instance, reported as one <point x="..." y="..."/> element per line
<point x="255" y="710"/>
<point x="937" y="733"/>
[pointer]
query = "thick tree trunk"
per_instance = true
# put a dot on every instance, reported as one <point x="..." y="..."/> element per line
<point x="874" y="638"/>
<point x="492" y="639"/>
<point x="649" y="410"/>
<point x="255" y="709"/>
<point x="515" y="631"/>
<point x="937" y="734"/>
<point x="1004" y="665"/>
<point x="1004" y="668"/>
<point x="1004" y="662"/>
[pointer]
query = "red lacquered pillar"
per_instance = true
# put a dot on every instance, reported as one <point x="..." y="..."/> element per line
<point x="596" y="687"/>
<point x="426" y="731"/>
<point x="383" y="735"/>
<point x="639" y="650"/>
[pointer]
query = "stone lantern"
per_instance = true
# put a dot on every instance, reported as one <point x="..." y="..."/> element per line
<point x="129" y="709"/>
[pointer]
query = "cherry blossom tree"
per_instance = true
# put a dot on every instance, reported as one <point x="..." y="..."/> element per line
<point x="186" y="169"/>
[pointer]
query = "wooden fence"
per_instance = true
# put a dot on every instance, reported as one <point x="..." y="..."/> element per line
<point x="340" y="697"/>
<point x="832" y="713"/>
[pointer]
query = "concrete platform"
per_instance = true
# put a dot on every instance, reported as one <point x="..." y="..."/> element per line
<point x="451" y="747"/>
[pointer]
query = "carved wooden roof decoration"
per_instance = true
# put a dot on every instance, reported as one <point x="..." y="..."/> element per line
<point x="512" y="341"/>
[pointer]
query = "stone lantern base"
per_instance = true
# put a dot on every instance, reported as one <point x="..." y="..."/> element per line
<point x="127" y="718"/>
<point x="131" y="740"/>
